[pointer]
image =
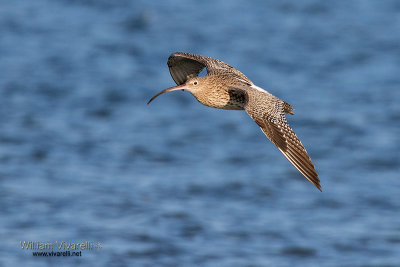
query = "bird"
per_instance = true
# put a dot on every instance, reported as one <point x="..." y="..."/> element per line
<point x="224" y="87"/>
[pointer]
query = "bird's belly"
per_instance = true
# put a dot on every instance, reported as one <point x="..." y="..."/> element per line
<point x="223" y="102"/>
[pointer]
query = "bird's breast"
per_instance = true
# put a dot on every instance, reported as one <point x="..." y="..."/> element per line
<point x="222" y="99"/>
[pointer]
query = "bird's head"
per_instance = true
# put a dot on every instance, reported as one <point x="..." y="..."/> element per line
<point x="193" y="85"/>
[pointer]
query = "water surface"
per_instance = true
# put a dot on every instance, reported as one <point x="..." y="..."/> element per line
<point x="83" y="158"/>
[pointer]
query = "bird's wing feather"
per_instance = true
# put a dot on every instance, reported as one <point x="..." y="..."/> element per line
<point x="268" y="112"/>
<point x="183" y="66"/>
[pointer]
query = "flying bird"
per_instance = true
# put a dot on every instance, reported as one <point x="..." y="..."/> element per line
<point x="225" y="87"/>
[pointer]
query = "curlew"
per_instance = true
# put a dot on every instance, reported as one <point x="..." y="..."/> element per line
<point x="225" y="87"/>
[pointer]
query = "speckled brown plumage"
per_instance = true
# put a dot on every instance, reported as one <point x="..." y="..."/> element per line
<point x="225" y="87"/>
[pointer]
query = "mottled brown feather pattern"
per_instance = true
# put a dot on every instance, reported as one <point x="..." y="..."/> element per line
<point x="287" y="108"/>
<point x="225" y="87"/>
<point x="268" y="112"/>
<point x="189" y="65"/>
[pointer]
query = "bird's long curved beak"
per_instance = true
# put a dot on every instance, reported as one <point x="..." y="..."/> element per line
<point x="175" y="88"/>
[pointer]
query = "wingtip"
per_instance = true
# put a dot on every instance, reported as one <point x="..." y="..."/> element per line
<point x="315" y="181"/>
<point x="316" y="184"/>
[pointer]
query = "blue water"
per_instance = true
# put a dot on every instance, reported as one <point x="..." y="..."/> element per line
<point x="83" y="158"/>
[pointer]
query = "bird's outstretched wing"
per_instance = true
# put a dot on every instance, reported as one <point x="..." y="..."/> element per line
<point x="183" y="66"/>
<point x="268" y="112"/>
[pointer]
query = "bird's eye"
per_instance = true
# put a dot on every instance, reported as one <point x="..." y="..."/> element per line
<point x="195" y="83"/>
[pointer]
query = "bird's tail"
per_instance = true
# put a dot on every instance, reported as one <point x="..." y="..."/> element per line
<point x="287" y="108"/>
